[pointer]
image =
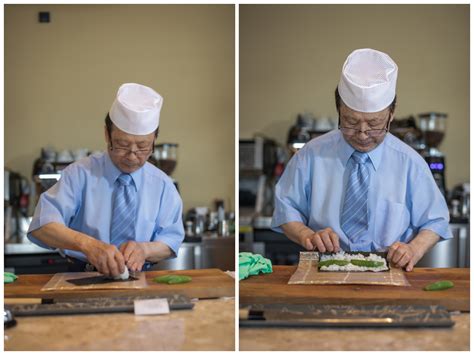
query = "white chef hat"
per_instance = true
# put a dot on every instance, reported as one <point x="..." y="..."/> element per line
<point x="368" y="80"/>
<point x="136" y="109"/>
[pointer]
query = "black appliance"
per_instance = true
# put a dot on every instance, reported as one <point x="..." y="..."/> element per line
<point x="433" y="128"/>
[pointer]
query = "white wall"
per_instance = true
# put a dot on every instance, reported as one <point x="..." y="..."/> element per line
<point x="61" y="78"/>
<point x="291" y="58"/>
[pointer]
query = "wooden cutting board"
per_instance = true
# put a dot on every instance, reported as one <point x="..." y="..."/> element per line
<point x="206" y="283"/>
<point x="274" y="288"/>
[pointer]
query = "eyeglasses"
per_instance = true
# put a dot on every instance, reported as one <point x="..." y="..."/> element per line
<point x="370" y="132"/>
<point x="140" y="153"/>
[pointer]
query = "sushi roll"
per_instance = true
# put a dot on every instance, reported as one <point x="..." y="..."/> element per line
<point x="343" y="261"/>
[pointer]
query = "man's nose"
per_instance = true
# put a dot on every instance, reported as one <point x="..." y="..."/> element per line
<point x="362" y="133"/>
<point x="132" y="155"/>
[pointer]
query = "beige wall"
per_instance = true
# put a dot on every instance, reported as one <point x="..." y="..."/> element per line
<point x="291" y="58"/>
<point x="61" y="78"/>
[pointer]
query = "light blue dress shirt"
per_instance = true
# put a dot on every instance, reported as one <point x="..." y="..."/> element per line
<point x="82" y="200"/>
<point x="403" y="196"/>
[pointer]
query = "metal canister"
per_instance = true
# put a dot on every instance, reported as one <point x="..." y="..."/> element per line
<point x="223" y="228"/>
<point x="199" y="225"/>
<point x="189" y="228"/>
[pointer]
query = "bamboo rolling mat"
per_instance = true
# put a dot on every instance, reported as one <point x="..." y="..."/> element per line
<point x="308" y="273"/>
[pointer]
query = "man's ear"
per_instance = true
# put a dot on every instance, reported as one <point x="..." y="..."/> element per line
<point x="392" y="116"/>
<point x="106" y="136"/>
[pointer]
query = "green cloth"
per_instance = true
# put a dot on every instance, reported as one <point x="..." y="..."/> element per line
<point x="9" y="277"/>
<point x="253" y="264"/>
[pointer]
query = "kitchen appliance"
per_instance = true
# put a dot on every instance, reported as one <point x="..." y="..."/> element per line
<point x="257" y="155"/>
<point x="299" y="133"/>
<point x="16" y="203"/>
<point x="459" y="202"/>
<point x="48" y="167"/>
<point x="28" y="258"/>
<point x="258" y="167"/>
<point x="198" y="219"/>
<point x="223" y="223"/>
<point x="307" y="127"/>
<point x="450" y="253"/>
<point x="211" y="252"/>
<point x="425" y="138"/>
<point x="164" y="157"/>
<point x="433" y="128"/>
<point x="407" y="130"/>
<point x="256" y="200"/>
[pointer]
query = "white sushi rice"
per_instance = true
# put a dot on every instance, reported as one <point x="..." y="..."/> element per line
<point x="351" y="267"/>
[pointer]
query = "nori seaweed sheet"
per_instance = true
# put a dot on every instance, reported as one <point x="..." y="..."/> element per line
<point x="97" y="280"/>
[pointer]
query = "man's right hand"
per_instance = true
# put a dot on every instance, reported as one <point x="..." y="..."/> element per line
<point x="323" y="240"/>
<point x="106" y="258"/>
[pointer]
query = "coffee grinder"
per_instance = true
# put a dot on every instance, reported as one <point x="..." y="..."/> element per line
<point x="433" y="128"/>
<point x="165" y="158"/>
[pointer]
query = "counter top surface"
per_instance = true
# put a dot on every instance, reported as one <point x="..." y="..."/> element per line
<point x="345" y="339"/>
<point x="206" y="283"/>
<point x="209" y="326"/>
<point x="274" y="288"/>
<point x="26" y="248"/>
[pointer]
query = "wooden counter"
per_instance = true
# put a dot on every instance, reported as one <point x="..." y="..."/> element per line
<point x="209" y="326"/>
<point x="274" y="288"/>
<point x="206" y="283"/>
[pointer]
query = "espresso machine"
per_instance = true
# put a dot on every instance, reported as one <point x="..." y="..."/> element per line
<point x="16" y="202"/>
<point x="407" y="130"/>
<point x="258" y="162"/>
<point x="433" y="128"/>
<point x="164" y="157"/>
<point x="307" y="127"/>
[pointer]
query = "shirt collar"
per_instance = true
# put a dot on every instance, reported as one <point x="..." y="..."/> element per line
<point x="112" y="172"/>
<point x="345" y="152"/>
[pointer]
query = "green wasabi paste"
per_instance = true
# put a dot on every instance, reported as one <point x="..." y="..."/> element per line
<point x="367" y="263"/>
<point x="333" y="262"/>
<point x="172" y="279"/>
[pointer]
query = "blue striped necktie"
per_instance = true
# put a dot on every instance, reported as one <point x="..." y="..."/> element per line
<point x="354" y="218"/>
<point x="124" y="211"/>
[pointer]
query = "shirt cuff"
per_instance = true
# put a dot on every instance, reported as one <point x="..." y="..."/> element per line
<point x="440" y="228"/>
<point x="172" y="240"/>
<point x="39" y="222"/>
<point x="280" y="218"/>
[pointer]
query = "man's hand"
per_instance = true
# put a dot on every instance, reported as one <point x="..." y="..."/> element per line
<point x="404" y="255"/>
<point x="323" y="240"/>
<point x="105" y="257"/>
<point x="134" y="255"/>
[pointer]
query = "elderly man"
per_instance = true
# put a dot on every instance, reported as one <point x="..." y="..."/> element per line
<point x="360" y="188"/>
<point x="114" y="210"/>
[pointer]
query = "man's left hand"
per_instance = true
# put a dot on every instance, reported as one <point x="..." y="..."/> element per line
<point x="134" y="255"/>
<point x="404" y="255"/>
